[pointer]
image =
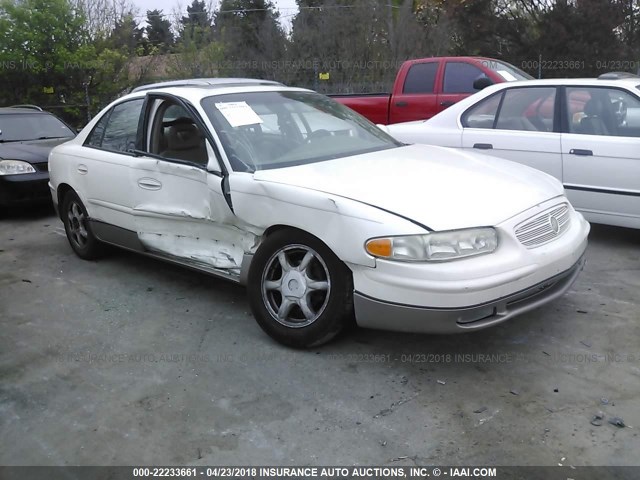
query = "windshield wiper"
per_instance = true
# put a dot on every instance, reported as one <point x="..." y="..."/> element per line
<point x="48" y="138"/>
<point x="9" y="141"/>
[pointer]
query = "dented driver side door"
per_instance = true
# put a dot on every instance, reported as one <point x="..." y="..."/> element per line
<point x="180" y="211"/>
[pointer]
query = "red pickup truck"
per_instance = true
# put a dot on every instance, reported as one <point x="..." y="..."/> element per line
<point x="426" y="86"/>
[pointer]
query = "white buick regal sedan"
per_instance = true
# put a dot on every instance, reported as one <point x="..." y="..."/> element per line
<point x="584" y="132"/>
<point x="323" y="216"/>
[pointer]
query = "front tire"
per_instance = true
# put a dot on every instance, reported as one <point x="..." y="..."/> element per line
<point x="76" y="225"/>
<point x="300" y="293"/>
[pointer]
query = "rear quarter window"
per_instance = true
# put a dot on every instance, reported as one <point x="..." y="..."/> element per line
<point x="95" y="137"/>
<point x="483" y="114"/>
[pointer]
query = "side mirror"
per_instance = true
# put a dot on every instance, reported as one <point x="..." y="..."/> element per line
<point x="482" y="82"/>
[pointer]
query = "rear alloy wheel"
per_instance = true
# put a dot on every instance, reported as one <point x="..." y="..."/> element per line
<point x="300" y="292"/>
<point x="78" y="229"/>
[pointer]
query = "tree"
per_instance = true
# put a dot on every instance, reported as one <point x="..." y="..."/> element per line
<point x="197" y="26"/>
<point x="251" y="36"/>
<point x="195" y="62"/>
<point x="100" y="16"/>
<point x="127" y="36"/>
<point x="197" y="53"/>
<point x="587" y="31"/>
<point x="630" y="28"/>
<point x="44" y="45"/>
<point x="52" y="58"/>
<point x="475" y="24"/>
<point x="417" y="28"/>
<point x="359" y="43"/>
<point x="327" y="37"/>
<point x="159" y="35"/>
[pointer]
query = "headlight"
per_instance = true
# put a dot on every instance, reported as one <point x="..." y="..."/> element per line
<point x="434" y="247"/>
<point x="15" y="167"/>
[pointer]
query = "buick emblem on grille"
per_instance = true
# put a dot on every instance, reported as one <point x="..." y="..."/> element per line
<point x="544" y="227"/>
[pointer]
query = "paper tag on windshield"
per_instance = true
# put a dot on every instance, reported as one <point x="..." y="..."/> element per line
<point x="238" y="114"/>
<point x="507" y="76"/>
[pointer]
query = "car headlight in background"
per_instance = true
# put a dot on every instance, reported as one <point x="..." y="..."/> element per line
<point x="437" y="246"/>
<point x="15" y="167"/>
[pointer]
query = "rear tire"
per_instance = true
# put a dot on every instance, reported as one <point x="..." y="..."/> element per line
<point x="76" y="224"/>
<point x="300" y="293"/>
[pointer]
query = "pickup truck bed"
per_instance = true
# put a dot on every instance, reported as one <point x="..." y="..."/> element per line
<point x="374" y="106"/>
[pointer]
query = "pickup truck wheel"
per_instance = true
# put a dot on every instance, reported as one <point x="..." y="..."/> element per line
<point x="300" y="293"/>
<point x="76" y="225"/>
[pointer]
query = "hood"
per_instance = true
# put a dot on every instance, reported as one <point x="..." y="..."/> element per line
<point x="438" y="187"/>
<point x="36" y="151"/>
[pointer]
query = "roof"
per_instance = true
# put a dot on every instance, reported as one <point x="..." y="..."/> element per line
<point x="629" y="82"/>
<point x="617" y="75"/>
<point x="195" y="92"/>
<point x="455" y="58"/>
<point x="207" y="83"/>
<point x="22" y="111"/>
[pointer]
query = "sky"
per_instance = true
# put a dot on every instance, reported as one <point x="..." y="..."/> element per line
<point x="288" y="8"/>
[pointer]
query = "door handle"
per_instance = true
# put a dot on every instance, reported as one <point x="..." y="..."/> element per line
<point x="580" y="152"/>
<point x="82" y="169"/>
<point x="402" y="104"/>
<point x="149" y="183"/>
<point x="446" y="103"/>
<point x="483" y="146"/>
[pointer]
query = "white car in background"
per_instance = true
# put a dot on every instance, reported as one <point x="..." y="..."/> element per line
<point x="584" y="132"/>
<point x="320" y="213"/>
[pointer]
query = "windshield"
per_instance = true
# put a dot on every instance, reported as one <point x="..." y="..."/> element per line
<point x="508" y="71"/>
<point x="31" y="126"/>
<point x="263" y="130"/>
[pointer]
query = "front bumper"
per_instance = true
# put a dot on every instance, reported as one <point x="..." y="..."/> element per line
<point x="23" y="189"/>
<point x="373" y="313"/>
<point x="472" y="293"/>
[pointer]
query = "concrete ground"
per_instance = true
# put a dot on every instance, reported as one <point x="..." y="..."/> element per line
<point x="131" y="361"/>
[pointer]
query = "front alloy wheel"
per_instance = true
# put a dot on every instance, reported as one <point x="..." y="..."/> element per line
<point x="301" y="294"/>
<point x="296" y="286"/>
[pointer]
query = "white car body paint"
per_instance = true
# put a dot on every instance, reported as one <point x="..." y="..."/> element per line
<point x="324" y="215"/>
<point x="408" y="181"/>
<point x="604" y="185"/>
<point x="343" y="202"/>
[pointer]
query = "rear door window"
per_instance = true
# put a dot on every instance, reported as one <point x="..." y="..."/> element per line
<point x="528" y="109"/>
<point x="119" y="131"/>
<point x="421" y="78"/>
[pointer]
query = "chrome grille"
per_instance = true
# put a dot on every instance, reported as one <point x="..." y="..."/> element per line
<point x="544" y="227"/>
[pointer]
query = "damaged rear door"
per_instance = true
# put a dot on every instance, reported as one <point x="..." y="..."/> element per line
<point x="180" y="210"/>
